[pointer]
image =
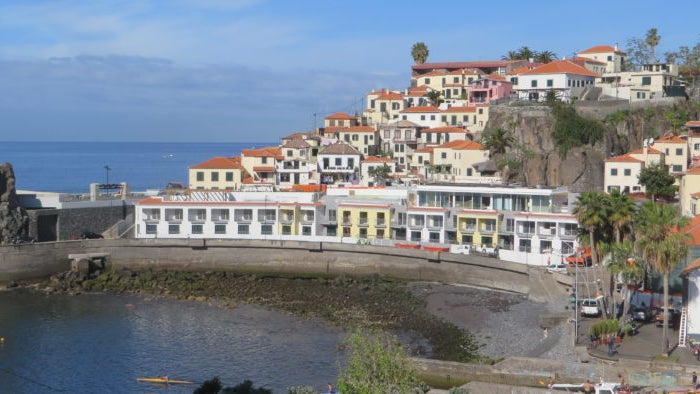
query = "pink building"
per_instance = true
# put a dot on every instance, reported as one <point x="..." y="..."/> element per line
<point x="489" y="88"/>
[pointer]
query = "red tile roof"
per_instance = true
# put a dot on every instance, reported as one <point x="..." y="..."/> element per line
<point x="580" y="60"/>
<point x="340" y="115"/>
<point x="602" y="49"/>
<point x="693" y="171"/>
<point x="623" y="159"/>
<point x="359" y="129"/>
<point x="462" y="145"/>
<point x="263" y="168"/>
<point x="671" y="139"/>
<point x="419" y="109"/>
<point x="377" y="159"/>
<point x="389" y="96"/>
<point x="460" y="65"/>
<point x="460" y="109"/>
<point x="269" y="151"/>
<point x="561" y="67"/>
<point x="692" y="123"/>
<point x="427" y="149"/>
<point x="495" y="76"/>
<point x="651" y="151"/>
<point x="219" y="162"/>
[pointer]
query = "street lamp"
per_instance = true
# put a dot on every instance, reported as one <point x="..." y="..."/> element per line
<point x="107" y="169"/>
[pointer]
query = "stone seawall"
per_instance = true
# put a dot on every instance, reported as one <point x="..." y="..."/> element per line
<point x="43" y="259"/>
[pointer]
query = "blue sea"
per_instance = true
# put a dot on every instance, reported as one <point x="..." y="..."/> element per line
<point x="70" y="167"/>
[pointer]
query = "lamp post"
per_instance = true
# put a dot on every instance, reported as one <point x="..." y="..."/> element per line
<point x="107" y="169"/>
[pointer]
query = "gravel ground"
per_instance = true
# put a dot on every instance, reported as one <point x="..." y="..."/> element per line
<point x="507" y="324"/>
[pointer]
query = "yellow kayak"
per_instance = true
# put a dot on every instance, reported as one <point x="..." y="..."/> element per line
<point x="164" y="380"/>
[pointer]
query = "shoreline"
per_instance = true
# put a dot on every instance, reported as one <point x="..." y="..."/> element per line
<point x="436" y="318"/>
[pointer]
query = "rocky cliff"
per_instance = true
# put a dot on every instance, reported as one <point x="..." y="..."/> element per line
<point x="13" y="218"/>
<point x="582" y="168"/>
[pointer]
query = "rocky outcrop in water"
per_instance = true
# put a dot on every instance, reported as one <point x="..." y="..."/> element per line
<point x="14" y="220"/>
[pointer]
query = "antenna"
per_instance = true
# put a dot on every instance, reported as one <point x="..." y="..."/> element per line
<point x="645" y="142"/>
<point x="651" y="141"/>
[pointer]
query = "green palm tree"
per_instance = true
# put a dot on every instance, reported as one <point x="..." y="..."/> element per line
<point x="511" y="55"/>
<point x="497" y="140"/>
<point x="591" y="210"/>
<point x="622" y="211"/>
<point x="625" y="268"/>
<point x="434" y="97"/>
<point x="662" y="245"/>
<point x="545" y="56"/>
<point x="420" y="52"/>
<point x="652" y="39"/>
<point x="525" y="53"/>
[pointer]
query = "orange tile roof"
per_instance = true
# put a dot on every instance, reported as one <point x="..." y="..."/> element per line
<point x="640" y="151"/>
<point x="693" y="230"/>
<point x="427" y="149"/>
<point x="692" y="123"/>
<point x="671" y="139"/>
<point x="418" y="109"/>
<point x="219" y="162"/>
<point x="582" y="59"/>
<point x="359" y="129"/>
<point x="389" y="96"/>
<point x="377" y="159"/>
<point x="269" y="151"/>
<point x="463" y="71"/>
<point x="432" y="74"/>
<point x="692" y="266"/>
<point x="519" y="70"/>
<point x="462" y="145"/>
<point x="693" y="171"/>
<point x="263" y="168"/>
<point x="447" y="129"/>
<point x="561" y="67"/>
<point x="332" y="129"/>
<point x="602" y="49"/>
<point x="460" y="109"/>
<point x="340" y="115"/>
<point x="495" y="76"/>
<point x="623" y="159"/>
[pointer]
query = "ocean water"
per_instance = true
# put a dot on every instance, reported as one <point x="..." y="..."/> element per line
<point x="70" y="167"/>
<point x="100" y="343"/>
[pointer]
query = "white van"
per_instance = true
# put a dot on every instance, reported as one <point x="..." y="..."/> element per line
<point x="591" y="307"/>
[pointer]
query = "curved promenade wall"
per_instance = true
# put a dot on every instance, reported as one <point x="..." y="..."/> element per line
<point x="30" y="261"/>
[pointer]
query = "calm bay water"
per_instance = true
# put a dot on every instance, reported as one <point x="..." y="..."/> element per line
<point x="70" y="167"/>
<point x="100" y="343"/>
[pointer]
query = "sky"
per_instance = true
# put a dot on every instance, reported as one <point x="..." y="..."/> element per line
<point x="256" y="70"/>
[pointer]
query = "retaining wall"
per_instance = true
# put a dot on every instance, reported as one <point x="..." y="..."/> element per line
<point x="30" y="261"/>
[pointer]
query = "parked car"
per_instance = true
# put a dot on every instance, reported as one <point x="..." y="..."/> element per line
<point x="560" y="268"/>
<point x="639" y="313"/>
<point x="674" y="316"/>
<point x="90" y="235"/>
<point x="591" y="307"/>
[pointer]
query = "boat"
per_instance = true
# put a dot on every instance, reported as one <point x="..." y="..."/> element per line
<point x="163" y="380"/>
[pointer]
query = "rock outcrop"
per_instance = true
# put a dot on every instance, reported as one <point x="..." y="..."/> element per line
<point x="14" y="220"/>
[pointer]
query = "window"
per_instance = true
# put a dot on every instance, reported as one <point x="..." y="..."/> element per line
<point x="679" y="151"/>
<point x="422" y="117"/>
<point x="214" y="176"/>
<point x="677" y="168"/>
<point x="219" y="229"/>
<point x="229" y="176"/>
<point x="332" y="231"/>
<point x="200" y="176"/>
<point x="432" y="117"/>
<point x="266" y="215"/>
<point x="338" y="161"/>
<point x="174" y="229"/>
<point x="355" y="137"/>
<point x="613" y="171"/>
<point x="628" y="172"/>
<point x="266" y="229"/>
<point x="443" y="155"/>
<point x="533" y="83"/>
<point x="646" y="80"/>
<point x="641" y="95"/>
<point x="196" y="215"/>
<point x="263" y="160"/>
<point x="550" y="83"/>
<point x="221" y="215"/>
<point x="290" y="153"/>
<point x="197" y="229"/>
<point x="173" y="214"/>
<point x="696" y="146"/>
<point x="434" y="237"/>
<point x="243" y="229"/>
<point x="380" y="234"/>
<point x="151" y="214"/>
<point x="305" y="230"/>
<point x="286" y="230"/>
<point x="610" y="58"/>
<point x="151" y="229"/>
<point x="469" y="172"/>
<point x="426" y="81"/>
<point x="243" y="215"/>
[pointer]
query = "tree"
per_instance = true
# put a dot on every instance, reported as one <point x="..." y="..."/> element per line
<point x="545" y="56"/>
<point x="657" y="181"/>
<point x="379" y="173"/>
<point x="434" y="97"/>
<point x="497" y="140"/>
<point x="525" y="53"/>
<point x="511" y="55"/>
<point x="662" y="245"/>
<point x="420" y="52"/>
<point x="377" y="364"/>
<point x="622" y="211"/>
<point x="624" y="267"/>
<point x="652" y="39"/>
<point x="591" y="210"/>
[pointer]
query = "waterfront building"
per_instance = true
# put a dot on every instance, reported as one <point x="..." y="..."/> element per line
<point x="528" y="225"/>
<point x="297" y="167"/>
<point x="218" y="173"/>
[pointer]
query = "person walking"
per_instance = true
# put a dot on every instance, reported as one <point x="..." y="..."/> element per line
<point x="611" y="345"/>
<point x="695" y="381"/>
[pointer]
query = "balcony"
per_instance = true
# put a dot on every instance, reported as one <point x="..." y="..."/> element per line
<point x="244" y="219"/>
<point x="416" y="225"/>
<point x="468" y="229"/>
<point x="489" y="229"/>
<point x="363" y="222"/>
<point x="381" y="223"/>
<point x="346" y="222"/>
<point x="286" y="219"/>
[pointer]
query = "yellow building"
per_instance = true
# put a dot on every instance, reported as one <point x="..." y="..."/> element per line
<point x="478" y="228"/>
<point x="363" y="138"/>
<point x="458" y="160"/>
<point x="261" y="164"/>
<point x="675" y="151"/>
<point x="689" y="187"/>
<point x="363" y="221"/>
<point x="383" y="106"/>
<point x="297" y="218"/>
<point x="218" y="173"/>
